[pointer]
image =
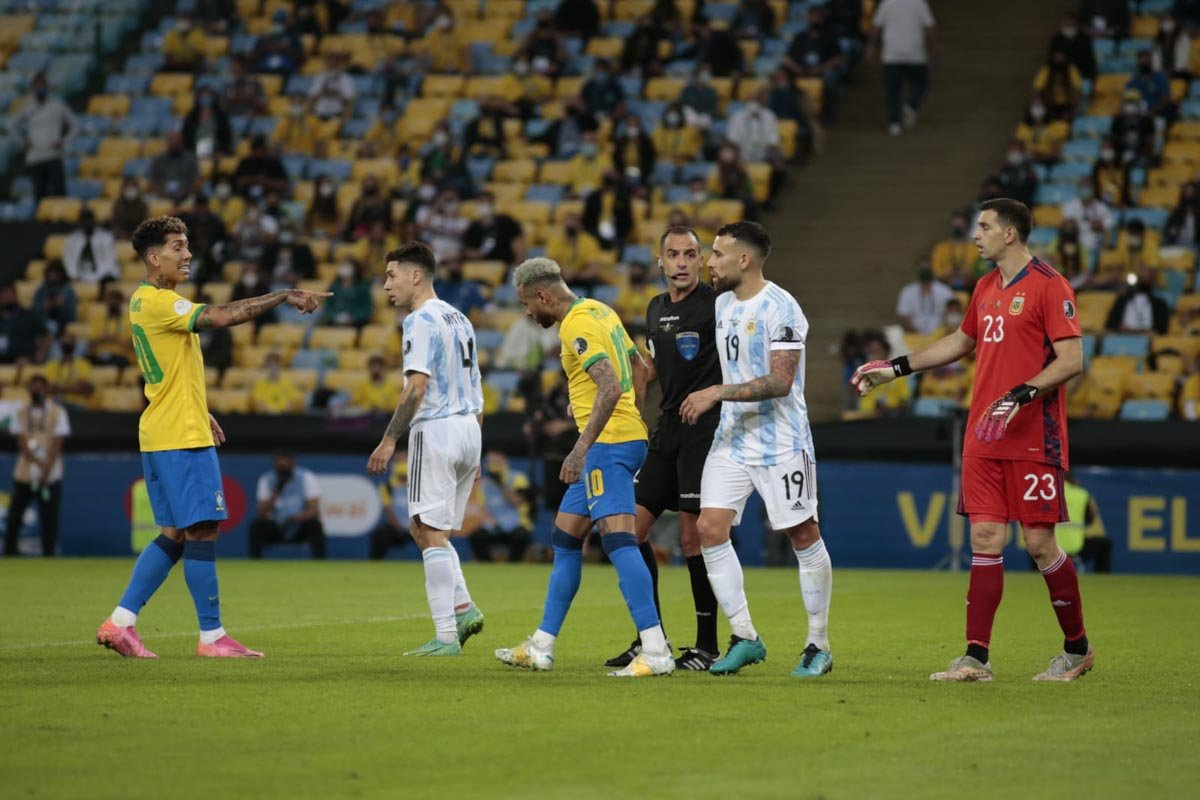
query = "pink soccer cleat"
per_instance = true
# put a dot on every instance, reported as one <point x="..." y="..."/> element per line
<point x="122" y="640"/>
<point x="226" y="647"/>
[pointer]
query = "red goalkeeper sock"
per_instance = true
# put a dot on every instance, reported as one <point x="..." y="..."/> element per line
<point x="1063" y="583"/>
<point x="983" y="598"/>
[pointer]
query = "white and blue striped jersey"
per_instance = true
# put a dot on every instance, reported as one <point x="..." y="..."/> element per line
<point x="440" y="342"/>
<point x="767" y="432"/>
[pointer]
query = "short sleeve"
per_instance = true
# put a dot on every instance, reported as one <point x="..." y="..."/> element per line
<point x="312" y="487"/>
<point x="926" y="15"/>
<point x="1059" y="313"/>
<point x="63" y="426"/>
<point x="904" y="304"/>
<point x="970" y="320"/>
<point x="417" y="346"/>
<point x="170" y="311"/>
<point x="582" y="334"/>
<point x="788" y="327"/>
<point x="264" y="488"/>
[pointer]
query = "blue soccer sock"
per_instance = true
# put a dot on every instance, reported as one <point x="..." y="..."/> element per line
<point x="149" y="571"/>
<point x="634" y="580"/>
<point x="564" y="581"/>
<point x="200" y="571"/>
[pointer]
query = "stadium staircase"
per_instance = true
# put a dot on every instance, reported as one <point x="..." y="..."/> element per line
<point x="857" y="220"/>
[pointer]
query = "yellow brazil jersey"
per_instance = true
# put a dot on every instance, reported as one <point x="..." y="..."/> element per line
<point x="592" y="331"/>
<point x="163" y="324"/>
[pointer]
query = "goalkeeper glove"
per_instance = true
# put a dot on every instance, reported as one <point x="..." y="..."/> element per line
<point x="877" y="373"/>
<point x="993" y="423"/>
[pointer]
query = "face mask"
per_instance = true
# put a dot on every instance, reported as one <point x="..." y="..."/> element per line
<point x="1167" y="26"/>
<point x="1086" y="195"/>
<point x="699" y="196"/>
<point x="224" y="190"/>
<point x="726" y="157"/>
<point x="486" y="211"/>
<point x="1107" y="155"/>
<point x="521" y="68"/>
<point x="130" y="193"/>
<point x="1135" y="242"/>
<point x="673" y="119"/>
<point x="632" y="133"/>
<point x="296" y="110"/>
<point x="325" y="190"/>
<point x="440" y="138"/>
<point x="1038" y="112"/>
<point x="286" y="238"/>
<point x="753" y="107"/>
<point x="443" y="23"/>
<point x="249" y="280"/>
<point x="1070" y="32"/>
<point x="345" y="273"/>
<point x="185" y="25"/>
<point x="953" y="319"/>
<point x="426" y="193"/>
<point x="1130" y="108"/>
<point x="450" y="207"/>
<point x="1070" y="249"/>
<point x="587" y="149"/>
<point x="705" y="77"/>
<point x="1016" y="158"/>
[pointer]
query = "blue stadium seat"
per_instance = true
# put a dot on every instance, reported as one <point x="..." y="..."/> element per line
<point x="1042" y="236"/>
<point x="136" y="168"/>
<point x="84" y="188"/>
<point x="296" y="165"/>
<point x="695" y="169"/>
<point x="725" y="12"/>
<point x="298" y="84"/>
<point x="1154" y="218"/>
<point x="650" y="111"/>
<point x="1091" y="127"/>
<point x="1069" y="171"/>
<point x="335" y="168"/>
<point x="637" y="253"/>
<point x="366" y="85"/>
<point x="367" y="106"/>
<point x="677" y="194"/>
<point x="606" y="294"/>
<point x="550" y="193"/>
<point x="464" y="109"/>
<point x="504" y="381"/>
<point x="82" y="145"/>
<point x="535" y="128"/>
<point x="264" y="126"/>
<point x="1054" y="194"/>
<point x="20" y="211"/>
<point x="480" y="168"/>
<point x="1190" y="109"/>
<point x="631" y="85"/>
<point x="1082" y="150"/>
<point x="314" y="359"/>
<point x="621" y="28"/>
<point x="355" y="128"/>
<point x="1125" y="344"/>
<point x="488" y="339"/>
<point x="934" y="406"/>
<point x="506" y="294"/>
<point x="1145" y="410"/>
<point x="1114" y="64"/>
<point x="664" y="173"/>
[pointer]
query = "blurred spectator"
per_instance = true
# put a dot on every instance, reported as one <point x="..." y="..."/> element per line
<point x="1017" y="177"/>
<point x="207" y="239"/>
<point x="1076" y="45"/>
<point x="440" y="48"/>
<point x="44" y="123"/>
<point x="215" y="15"/>
<point x="442" y="226"/>
<point x="227" y="205"/>
<point x="552" y="434"/>
<point x="953" y="316"/>
<point x="526" y="343"/>
<point x="375" y="394"/>
<point x="289" y="508"/>
<point x="701" y="105"/>
<point x="816" y="53"/>
<point x="280" y="51"/>
<point x="633" y="152"/>
<point x="639" y="55"/>
<point x="601" y="92"/>
<point x="41" y="426"/>
<point x="1138" y="309"/>
<point x="635" y="298"/>
<point x="323" y="218"/>
<point x="206" y="130"/>
<point x="577" y="18"/>
<point x="184" y="45"/>
<point x="903" y="38"/>
<point x="444" y="167"/>
<point x="1060" y="85"/>
<point x="1042" y="136"/>
<point x="675" y="141"/>
<point x="851" y="353"/>
<point x="522" y="91"/>
<point x="288" y="255"/>
<point x="393" y="496"/>
<point x="1138" y="247"/>
<point x="384" y="132"/>
<point x="252" y="234"/>
<point x="698" y="211"/>
<point x="253" y="283"/>
<point x="55" y="300"/>
<point x="544" y="48"/>
<point x="1107" y="18"/>
<point x="565" y="136"/>
<point x="297" y="131"/>
<point x="1133" y="131"/>
<point x="275" y="392"/>
<point x="506" y="520"/>
<point x="484" y="135"/>
<point x="732" y="181"/>
<point x="921" y="304"/>
<point x="1071" y="257"/>
<point x="897" y="395"/>
<point x="244" y="95"/>
<point x="1154" y="87"/>
<point x="667" y="16"/>
<point x="351" y="302"/>
<point x="1110" y="176"/>
<point x="331" y="94"/>
<point x="372" y="249"/>
<point x="373" y="205"/>
<point x="70" y="375"/>
<point x="215" y="343"/>
<point x="129" y="209"/>
<point x="261" y="171"/>
<point x="174" y="173"/>
<point x="755" y="19"/>
<point x="1076" y="537"/>
<point x="577" y="252"/>
<point x="608" y="212"/>
<point x="755" y="128"/>
<point x="494" y="236"/>
<point x="587" y="168"/>
<point x="1172" y="48"/>
<point x="110" y="341"/>
<point x="1091" y="214"/>
<point x="1183" y="226"/>
<point x="90" y="251"/>
<point x="453" y="288"/>
<point x="954" y="258"/>
<point x="718" y="50"/>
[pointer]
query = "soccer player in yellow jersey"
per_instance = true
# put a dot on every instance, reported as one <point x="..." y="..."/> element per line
<point x="606" y="378"/>
<point x="178" y="437"/>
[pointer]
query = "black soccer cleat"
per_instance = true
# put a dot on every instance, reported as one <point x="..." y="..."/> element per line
<point x="629" y="655"/>
<point x="695" y="659"/>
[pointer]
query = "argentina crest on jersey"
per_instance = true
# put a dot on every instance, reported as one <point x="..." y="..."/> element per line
<point x="688" y="344"/>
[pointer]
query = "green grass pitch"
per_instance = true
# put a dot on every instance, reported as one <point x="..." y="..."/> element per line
<point x="334" y="711"/>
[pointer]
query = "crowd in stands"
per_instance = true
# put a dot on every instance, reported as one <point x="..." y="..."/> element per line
<point x="1108" y="158"/>
<point x="301" y="142"/>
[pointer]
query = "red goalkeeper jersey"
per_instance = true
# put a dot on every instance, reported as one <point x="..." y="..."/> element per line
<point x="1014" y="328"/>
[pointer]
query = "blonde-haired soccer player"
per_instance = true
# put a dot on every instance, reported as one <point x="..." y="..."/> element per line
<point x="178" y="437"/>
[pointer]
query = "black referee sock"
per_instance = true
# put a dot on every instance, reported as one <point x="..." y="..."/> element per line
<point x="706" y="605"/>
<point x="652" y="564"/>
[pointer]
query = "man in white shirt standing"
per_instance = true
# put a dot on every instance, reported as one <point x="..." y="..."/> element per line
<point x="40" y="426"/>
<point x="755" y="129"/>
<point x="332" y="93"/>
<point x="1092" y="215"/>
<point x="90" y="252"/>
<point x="921" y="305"/>
<point x="906" y="29"/>
<point x="46" y="123"/>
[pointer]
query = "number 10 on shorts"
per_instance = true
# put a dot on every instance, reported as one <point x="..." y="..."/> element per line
<point x="595" y="484"/>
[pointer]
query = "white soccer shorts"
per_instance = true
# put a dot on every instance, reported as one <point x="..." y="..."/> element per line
<point x="789" y="490"/>
<point x="443" y="462"/>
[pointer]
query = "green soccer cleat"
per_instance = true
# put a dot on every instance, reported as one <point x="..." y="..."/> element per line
<point x="814" y="662"/>
<point x="469" y="622"/>
<point x="436" y="648"/>
<point x="741" y="653"/>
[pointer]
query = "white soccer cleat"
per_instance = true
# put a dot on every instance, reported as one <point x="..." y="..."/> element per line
<point x="964" y="669"/>
<point x="527" y="655"/>
<point x="646" y="665"/>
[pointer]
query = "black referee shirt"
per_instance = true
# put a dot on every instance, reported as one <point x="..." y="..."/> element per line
<point x="683" y="344"/>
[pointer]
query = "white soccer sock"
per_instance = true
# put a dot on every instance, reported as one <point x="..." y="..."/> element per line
<point x="211" y="637"/>
<point x="462" y="597"/>
<point x="725" y="575"/>
<point x="124" y="618"/>
<point x="816" y="586"/>
<point x="654" y="640"/>
<point x="439" y="589"/>
<point x="543" y="640"/>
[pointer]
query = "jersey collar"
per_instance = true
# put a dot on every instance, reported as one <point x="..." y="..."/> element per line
<point x="1020" y="276"/>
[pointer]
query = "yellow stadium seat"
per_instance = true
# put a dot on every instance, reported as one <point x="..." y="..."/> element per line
<point x="814" y="88"/>
<point x="1189" y="346"/>
<point x="1184" y="130"/>
<point x="480" y="86"/>
<point x="557" y="172"/>
<point x="1144" y="27"/>
<point x="536" y="211"/>
<point x="1159" y="197"/>
<point x="212" y="377"/>
<point x="257" y="356"/>
<point x="515" y="171"/>
<point x="353" y="359"/>
<point x="101" y="167"/>
<point x="565" y="89"/>
<point x="304" y="379"/>
<point x="1112" y="84"/>
<point x="342" y="380"/>
<point x="1047" y="216"/>
<point x="723" y="88"/>
<point x="1176" y="175"/>
<point x="1180" y="259"/>
<point x="106" y="375"/>
<point x="240" y="377"/>
<point x="500" y="319"/>
<point x="52" y="248"/>
<point x="666" y="90"/>
<point x="165" y="84"/>
<point x="121" y="398"/>
<point x="58" y="209"/>
<point x="1190" y="393"/>
<point x="605" y="47"/>
<point x="384" y="169"/>
<point x="219" y="292"/>
<point x="216" y="47"/>
<point x="1181" y="153"/>
<point x="1093" y="309"/>
<point x="1150" y="386"/>
<point x="8" y="374"/>
<point x="788" y="130"/>
<point x="1120" y="366"/>
<point x="760" y="176"/>
<point x="102" y="207"/>
<point x="379" y="338"/>
<point x="229" y="401"/>
<point x="281" y="334"/>
<point x="490" y="273"/>
<point x="109" y="105"/>
<point x="325" y="338"/>
<point x="566" y="207"/>
<point x="1170" y="364"/>
<point x="444" y="86"/>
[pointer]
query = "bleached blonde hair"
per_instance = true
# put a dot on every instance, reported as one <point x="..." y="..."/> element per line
<point x="539" y="270"/>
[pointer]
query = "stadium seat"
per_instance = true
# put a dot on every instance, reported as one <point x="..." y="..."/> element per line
<point x="282" y="335"/>
<point x="489" y="273"/>
<point x="1126" y="344"/>
<point x="121" y="398"/>
<point x="1145" y="410"/>
<point x="328" y="338"/>
<point x="1150" y="385"/>
<point x="230" y="401"/>
<point x="934" y="406"/>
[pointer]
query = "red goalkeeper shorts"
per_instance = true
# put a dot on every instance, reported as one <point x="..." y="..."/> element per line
<point x="999" y="490"/>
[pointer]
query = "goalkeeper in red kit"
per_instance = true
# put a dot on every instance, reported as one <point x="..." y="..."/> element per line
<point x="1023" y="327"/>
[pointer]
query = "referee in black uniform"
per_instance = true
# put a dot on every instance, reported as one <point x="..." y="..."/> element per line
<point x="681" y="334"/>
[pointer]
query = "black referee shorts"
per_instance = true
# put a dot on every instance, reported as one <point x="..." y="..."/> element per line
<point x="670" y="478"/>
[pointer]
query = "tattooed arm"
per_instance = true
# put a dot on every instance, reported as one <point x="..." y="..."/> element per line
<point x="776" y="383"/>
<point x="608" y="392"/>
<point x="229" y="314"/>
<point x="406" y="409"/>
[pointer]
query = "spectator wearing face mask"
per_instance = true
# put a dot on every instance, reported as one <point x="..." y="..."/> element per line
<point x="373" y="205"/>
<point x="260" y="172"/>
<point x="374" y="247"/>
<point x="332" y="93"/>
<point x="731" y="180"/>
<point x="174" y="173"/>
<point x="443" y="164"/>
<point x="1153" y="86"/>
<point x="673" y="140"/>
<point x="1042" y="137"/>
<point x="453" y="287"/>
<point x="253" y="283"/>
<point x="289" y="508"/>
<point x="484" y="135"/>
<point x="1107" y="18"/>
<point x="375" y="394"/>
<point x="953" y="316"/>
<point x="921" y="304"/>
<point x="501" y="494"/>
<point x="323" y="218"/>
<point x="297" y="131"/>
<point x="1093" y="217"/>
<point x="1060" y="85"/>
<point x="699" y="99"/>
<point x="1183" y="226"/>
<point x="90" y="251"/>
<point x="633" y="152"/>
<point x="206" y="130"/>
<point x="640" y="52"/>
<point x="755" y="128"/>
<point x="1070" y="257"/>
<point x="635" y="298"/>
<point x="897" y="395"/>
<point x="1173" y="48"/>
<point x="70" y="375"/>
<point x="40" y="426"/>
<point x="129" y="209"/>
<point x="55" y="300"/>
<point x="45" y="123"/>
<point x="587" y="168"/>
<point x="110" y="341"/>
<point x="816" y="53"/>
<point x="577" y="18"/>
<point x="1076" y="45"/>
<point x="1133" y="131"/>
<point x="601" y="92"/>
<point x="577" y="252"/>
<point x="608" y="212"/>
<point x="524" y="91"/>
<point x="1137" y="308"/>
<point x="953" y="259"/>
<point x="252" y="234"/>
<point x="384" y="132"/>
<point x="184" y="46"/>
<point x="1110" y="176"/>
<point x="441" y="48"/>
<point x="1017" y="177"/>
<point x="288" y="257"/>
<point x="280" y="51"/>
<point x="442" y="226"/>
<point x="351" y="303"/>
<point x="207" y="239"/>
<point x="566" y="136"/>
<point x="244" y="95"/>
<point x="700" y="212"/>
<point x="393" y="496"/>
<point x="544" y="47"/>
<point x="494" y="236"/>
<point x="274" y="392"/>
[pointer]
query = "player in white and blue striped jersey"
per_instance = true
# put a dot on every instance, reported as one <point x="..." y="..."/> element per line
<point x="441" y="408"/>
<point x="763" y="444"/>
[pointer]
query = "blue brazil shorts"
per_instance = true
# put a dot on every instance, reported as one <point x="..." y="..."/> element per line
<point x="606" y="486"/>
<point x="184" y="486"/>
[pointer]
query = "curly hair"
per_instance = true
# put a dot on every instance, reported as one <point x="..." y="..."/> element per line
<point x="153" y="233"/>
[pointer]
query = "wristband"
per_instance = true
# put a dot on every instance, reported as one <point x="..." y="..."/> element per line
<point x="1024" y="394"/>
<point x="900" y="366"/>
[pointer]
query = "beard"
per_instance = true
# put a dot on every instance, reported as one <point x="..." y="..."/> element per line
<point x="727" y="283"/>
